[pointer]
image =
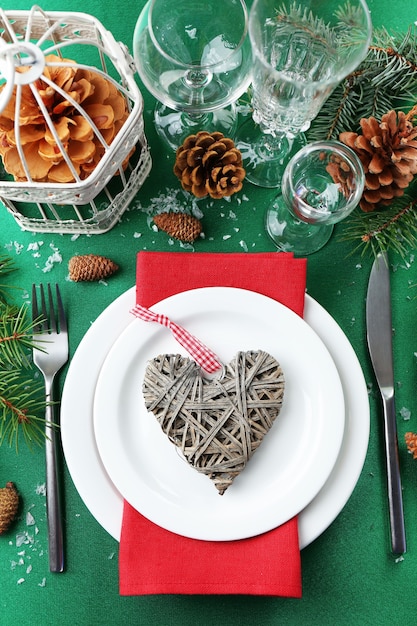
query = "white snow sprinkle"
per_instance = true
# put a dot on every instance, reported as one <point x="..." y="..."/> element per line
<point x="405" y="413"/>
<point x="40" y="490"/>
<point x="55" y="257"/>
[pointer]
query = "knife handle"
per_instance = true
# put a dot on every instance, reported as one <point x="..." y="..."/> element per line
<point x="395" y="495"/>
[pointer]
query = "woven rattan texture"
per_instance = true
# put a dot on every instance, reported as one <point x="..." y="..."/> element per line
<point x="217" y="423"/>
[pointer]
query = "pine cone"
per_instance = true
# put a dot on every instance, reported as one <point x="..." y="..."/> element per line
<point x="9" y="504"/>
<point x="388" y="152"/>
<point x="181" y="226"/>
<point x="209" y="164"/>
<point x="90" y="267"/>
<point x="103" y="102"/>
<point x="411" y="442"/>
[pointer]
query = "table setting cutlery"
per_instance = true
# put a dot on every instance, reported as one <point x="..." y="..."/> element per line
<point x="379" y="337"/>
<point x="49" y="356"/>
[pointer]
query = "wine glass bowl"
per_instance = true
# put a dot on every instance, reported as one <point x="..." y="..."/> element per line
<point x="301" y="50"/>
<point x="321" y="185"/>
<point x="195" y="58"/>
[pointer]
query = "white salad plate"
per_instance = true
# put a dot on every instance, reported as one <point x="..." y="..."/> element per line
<point x="295" y="458"/>
<point x="94" y="485"/>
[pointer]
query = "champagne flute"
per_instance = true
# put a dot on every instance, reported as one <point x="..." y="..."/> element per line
<point x="301" y="50"/>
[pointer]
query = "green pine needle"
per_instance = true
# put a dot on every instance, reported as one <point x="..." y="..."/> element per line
<point x="306" y="21"/>
<point x="6" y="267"/>
<point x="22" y="399"/>
<point x="392" y="229"/>
<point x="16" y="329"/>
<point x="386" y="80"/>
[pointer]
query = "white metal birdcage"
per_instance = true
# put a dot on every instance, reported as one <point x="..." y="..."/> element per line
<point x="93" y="202"/>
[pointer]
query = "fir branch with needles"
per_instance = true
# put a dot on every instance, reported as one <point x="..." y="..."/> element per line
<point x="21" y="402"/>
<point x="386" y="80"/>
<point x="304" y="20"/>
<point x="6" y="267"/>
<point x="395" y="228"/>
<point x="16" y="330"/>
<point x="22" y="399"/>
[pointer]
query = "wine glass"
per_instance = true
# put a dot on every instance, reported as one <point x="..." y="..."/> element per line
<point x="321" y="185"/>
<point x="195" y="57"/>
<point x="301" y="50"/>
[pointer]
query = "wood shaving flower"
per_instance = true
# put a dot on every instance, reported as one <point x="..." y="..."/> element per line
<point x="59" y="87"/>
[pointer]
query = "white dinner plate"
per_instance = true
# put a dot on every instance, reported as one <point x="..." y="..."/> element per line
<point x="296" y="456"/>
<point x="94" y="485"/>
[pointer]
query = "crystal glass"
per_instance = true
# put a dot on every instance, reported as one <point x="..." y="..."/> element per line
<point x="301" y="50"/>
<point x="321" y="185"/>
<point x="195" y="57"/>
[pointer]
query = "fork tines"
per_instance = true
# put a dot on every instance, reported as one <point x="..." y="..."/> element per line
<point x="41" y="316"/>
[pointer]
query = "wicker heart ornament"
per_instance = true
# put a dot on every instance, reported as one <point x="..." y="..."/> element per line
<point x="217" y="423"/>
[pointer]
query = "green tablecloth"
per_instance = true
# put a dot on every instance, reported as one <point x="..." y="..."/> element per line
<point x="349" y="575"/>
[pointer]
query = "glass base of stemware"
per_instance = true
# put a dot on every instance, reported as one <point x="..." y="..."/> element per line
<point x="175" y="126"/>
<point x="290" y="234"/>
<point x="265" y="156"/>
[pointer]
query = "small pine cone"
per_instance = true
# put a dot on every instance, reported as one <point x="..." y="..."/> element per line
<point x="181" y="226"/>
<point x="9" y="504"/>
<point x="411" y="441"/>
<point x="209" y="164"/>
<point x="90" y="267"/>
<point x="388" y="152"/>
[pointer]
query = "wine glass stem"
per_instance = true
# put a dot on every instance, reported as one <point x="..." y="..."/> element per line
<point x="271" y="145"/>
<point x="198" y="118"/>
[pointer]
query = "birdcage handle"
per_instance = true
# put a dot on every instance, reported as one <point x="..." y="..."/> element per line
<point x="25" y="54"/>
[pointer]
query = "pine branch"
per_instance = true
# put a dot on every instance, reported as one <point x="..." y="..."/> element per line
<point x="21" y="401"/>
<point x="394" y="228"/>
<point x="385" y="80"/>
<point x="16" y="331"/>
<point x="304" y="20"/>
<point x="6" y="267"/>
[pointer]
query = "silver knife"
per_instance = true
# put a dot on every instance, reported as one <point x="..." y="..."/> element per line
<point x="379" y="336"/>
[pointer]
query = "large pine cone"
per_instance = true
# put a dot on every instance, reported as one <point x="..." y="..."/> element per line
<point x="209" y="164"/>
<point x="388" y="152"/>
<point x="96" y="95"/>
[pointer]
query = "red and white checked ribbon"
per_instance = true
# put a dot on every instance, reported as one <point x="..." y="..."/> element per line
<point x="200" y="353"/>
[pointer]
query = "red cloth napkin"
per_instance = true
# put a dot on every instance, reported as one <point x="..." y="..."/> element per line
<point x="153" y="560"/>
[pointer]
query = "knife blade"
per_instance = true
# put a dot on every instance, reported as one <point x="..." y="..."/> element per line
<point x="379" y="338"/>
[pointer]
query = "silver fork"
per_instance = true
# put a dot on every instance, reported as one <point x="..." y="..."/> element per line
<point x="50" y="356"/>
